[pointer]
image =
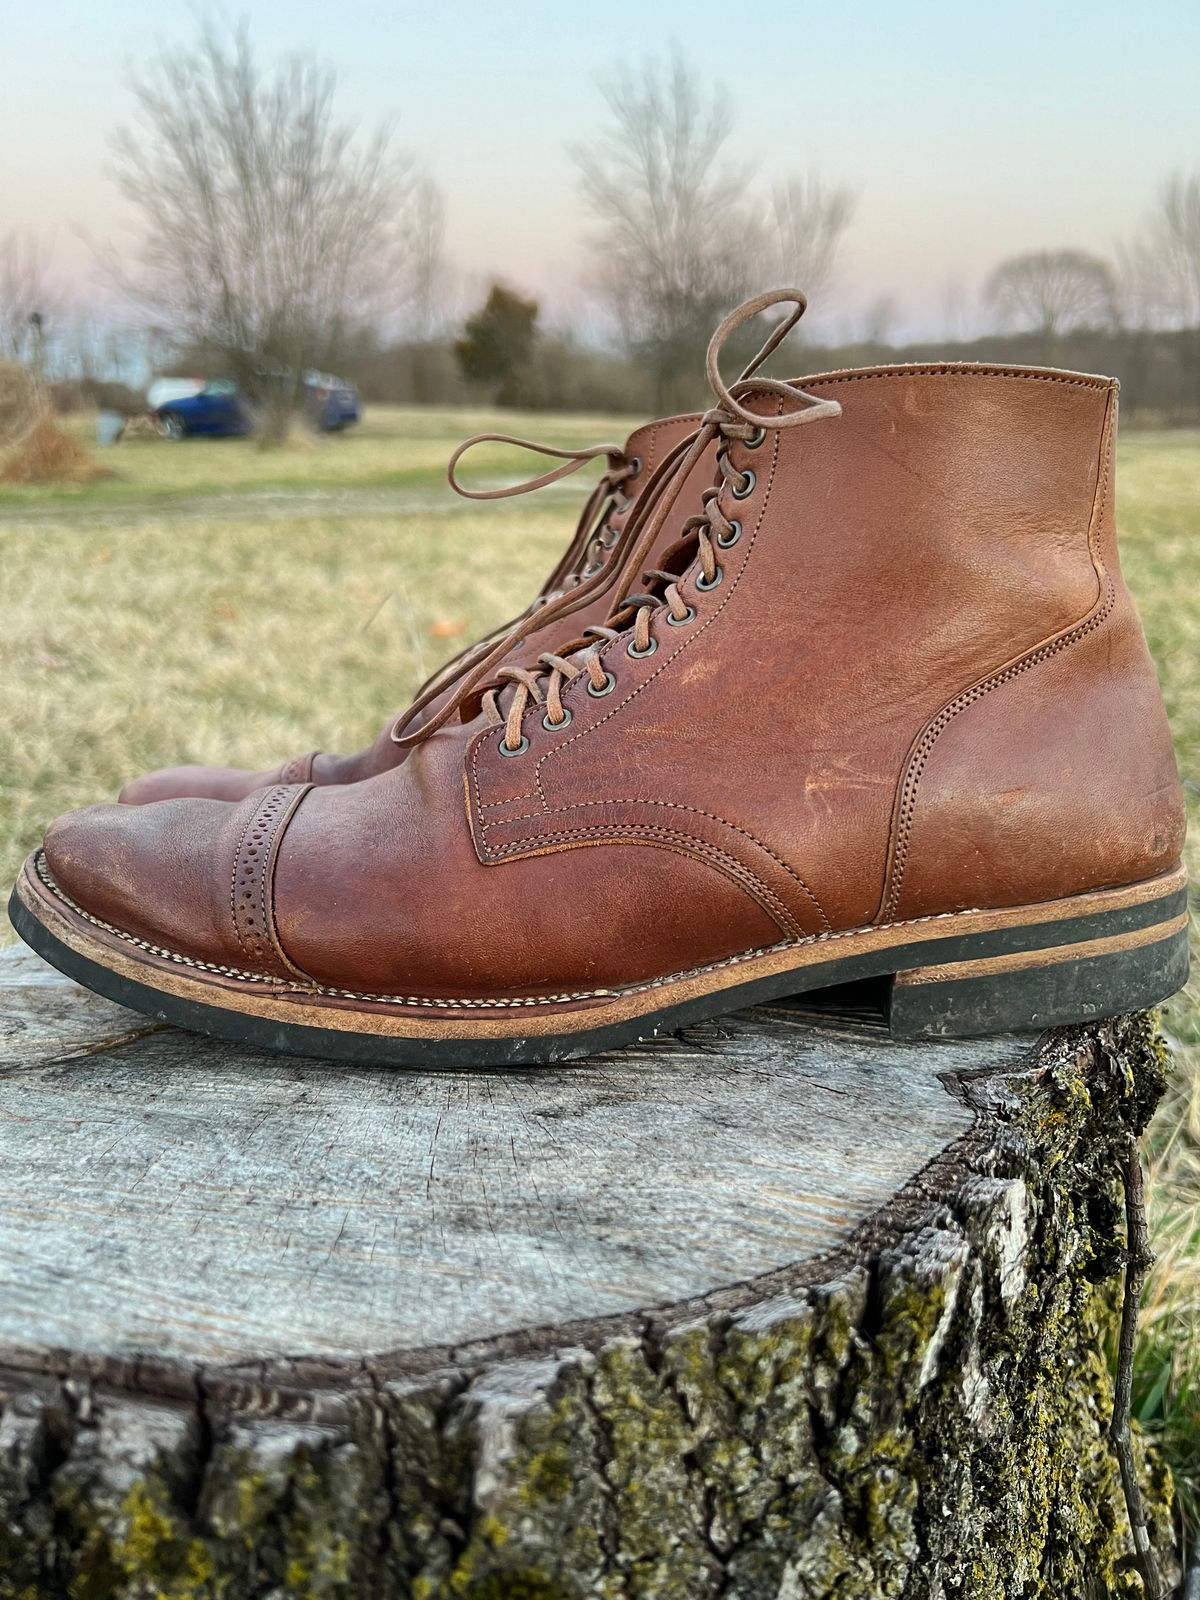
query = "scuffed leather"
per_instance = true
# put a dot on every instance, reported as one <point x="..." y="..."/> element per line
<point x="890" y="557"/>
<point x="740" y="786"/>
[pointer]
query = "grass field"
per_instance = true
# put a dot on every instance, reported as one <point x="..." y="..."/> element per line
<point x="215" y="602"/>
<point x="394" y="447"/>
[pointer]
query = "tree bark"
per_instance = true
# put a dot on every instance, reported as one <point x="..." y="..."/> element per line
<point x="783" y="1310"/>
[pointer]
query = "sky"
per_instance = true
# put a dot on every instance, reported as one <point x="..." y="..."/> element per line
<point x="967" y="131"/>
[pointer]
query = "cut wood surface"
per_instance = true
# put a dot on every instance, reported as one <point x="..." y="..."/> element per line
<point x="781" y="1309"/>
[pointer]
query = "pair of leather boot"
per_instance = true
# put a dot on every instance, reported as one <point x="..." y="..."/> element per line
<point x="849" y="686"/>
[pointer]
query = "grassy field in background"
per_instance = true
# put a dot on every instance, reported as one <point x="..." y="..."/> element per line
<point x="172" y="615"/>
<point x="393" y="447"/>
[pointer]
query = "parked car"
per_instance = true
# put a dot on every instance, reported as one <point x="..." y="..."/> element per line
<point x="216" y="410"/>
<point x="331" y="402"/>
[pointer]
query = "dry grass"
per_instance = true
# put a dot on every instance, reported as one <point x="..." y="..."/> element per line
<point x="48" y="454"/>
<point x="130" y="647"/>
<point x="135" y="635"/>
<point x="394" y="446"/>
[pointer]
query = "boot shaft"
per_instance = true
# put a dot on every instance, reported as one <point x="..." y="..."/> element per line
<point x="939" y="558"/>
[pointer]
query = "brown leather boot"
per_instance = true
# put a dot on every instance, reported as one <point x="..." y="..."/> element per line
<point x="580" y="589"/>
<point x="884" y="710"/>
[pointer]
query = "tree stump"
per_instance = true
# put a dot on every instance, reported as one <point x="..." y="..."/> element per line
<point x="777" y="1311"/>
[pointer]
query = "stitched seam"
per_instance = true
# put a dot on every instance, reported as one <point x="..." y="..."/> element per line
<point x="266" y="818"/>
<point x="749" y="880"/>
<point x="500" y="1003"/>
<point x="920" y="758"/>
<point x="691" y="639"/>
<point x="685" y="644"/>
<point x="237" y="861"/>
<point x="982" y="371"/>
<point x="672" y="805"/>
<point x="267" y="878"/>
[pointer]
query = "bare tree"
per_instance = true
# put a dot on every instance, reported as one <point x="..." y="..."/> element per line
<point x="1050" y="292"/>
<point x="807" y="221"/>
<point x="271" y="232"/>
<point x="1162" y="267"/>
<point x="879" y="320"/>
<point x="677" y="236"/>
<point x="428" y="270"/>
<point x="26" y="298"/>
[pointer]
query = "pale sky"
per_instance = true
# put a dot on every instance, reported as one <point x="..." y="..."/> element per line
<point x="969" y="131"/>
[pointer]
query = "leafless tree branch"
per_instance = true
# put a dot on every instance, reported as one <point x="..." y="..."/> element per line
<point x="271" y="232"/>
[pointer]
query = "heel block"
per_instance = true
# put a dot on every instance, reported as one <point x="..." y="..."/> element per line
<point x="1025" y="991"/>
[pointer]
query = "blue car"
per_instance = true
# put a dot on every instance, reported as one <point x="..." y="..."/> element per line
<point x="216" y="410"/>
<point x="332" y="403"/>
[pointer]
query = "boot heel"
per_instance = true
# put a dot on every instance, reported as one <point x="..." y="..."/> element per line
<point x="1026" y="991"/>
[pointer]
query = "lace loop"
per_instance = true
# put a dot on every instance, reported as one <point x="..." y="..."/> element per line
<point x="572" y="461"/>
<point x="731" y="421"/>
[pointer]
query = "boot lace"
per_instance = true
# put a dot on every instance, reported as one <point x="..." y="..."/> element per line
<point x="596" y="535"/>
<point x="701" y="538"/>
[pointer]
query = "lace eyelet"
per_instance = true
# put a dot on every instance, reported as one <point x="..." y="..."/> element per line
<point x="517" y="750"/>
<point x="610" y="683"/>
<point x="755" y="439"/>
<point x="631" y="649"/>
<point x="705" y="584"/>
<point x="728" y="540"/>
<point x="635" y="466"/>
<point x="682" y="622"/>
<point x="564" y="721"/>
<point x="590" y="570"/>
<point x="747" y="485"/>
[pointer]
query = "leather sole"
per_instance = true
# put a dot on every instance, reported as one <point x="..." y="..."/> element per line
<point x="955" y="975"/>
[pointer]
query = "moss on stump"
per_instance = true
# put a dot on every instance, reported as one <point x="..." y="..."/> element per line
<point x="920" y="1413"/>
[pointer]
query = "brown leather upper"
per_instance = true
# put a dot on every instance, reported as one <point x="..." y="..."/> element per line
<point x="586" y="589"/>
<point x="917" y="685"/>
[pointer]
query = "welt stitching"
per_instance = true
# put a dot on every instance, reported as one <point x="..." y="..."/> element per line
<point x="1099" y="614"/>
<point x="498" y="1003"/>
<point x="672" y="805"/>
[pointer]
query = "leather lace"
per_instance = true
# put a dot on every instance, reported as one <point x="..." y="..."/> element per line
<point x="595" y="536"/>
<point x="701" y="537"/>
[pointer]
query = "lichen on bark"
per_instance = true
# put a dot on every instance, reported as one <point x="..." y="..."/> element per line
<point x="926" y="1417"/>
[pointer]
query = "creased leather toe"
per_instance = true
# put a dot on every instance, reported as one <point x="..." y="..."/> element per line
<point x="188" y="878"/>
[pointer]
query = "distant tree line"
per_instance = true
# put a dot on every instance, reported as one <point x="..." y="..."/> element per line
<point x="277" y="239"/>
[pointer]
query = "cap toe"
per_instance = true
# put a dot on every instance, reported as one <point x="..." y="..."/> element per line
<point x="189" y="878"/>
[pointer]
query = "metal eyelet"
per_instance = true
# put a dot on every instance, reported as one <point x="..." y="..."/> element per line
<point x="610" y="683"/>
<point x="517" y="750"/>
<point x="590" y="570"/>
<point x="755" y="439"/>
<point x="728" y="540"/>
<point x="682" y="622"/>
<point x="635" y="465"/>
<point x="747" y="488"/>
<point x="631" y="649"/>
<point x="564" y="721"/>
<point x="706" y="584"/>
